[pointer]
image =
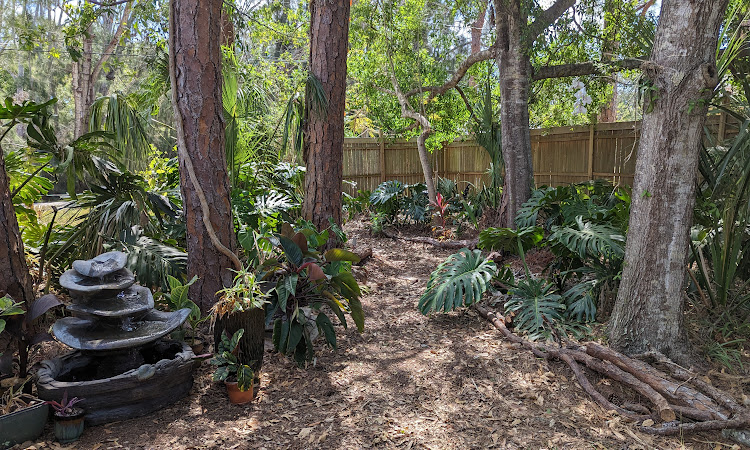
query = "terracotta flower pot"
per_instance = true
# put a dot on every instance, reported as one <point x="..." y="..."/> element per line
<point x="69" y="428"/>
<point x="198" y="344"/>
<point x="236" y="396"/>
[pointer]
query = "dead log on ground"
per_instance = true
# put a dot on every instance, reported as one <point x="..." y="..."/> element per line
<point x="689" y="398"/>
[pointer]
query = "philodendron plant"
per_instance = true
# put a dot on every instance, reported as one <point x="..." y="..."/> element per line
<point x="307" y="285"/>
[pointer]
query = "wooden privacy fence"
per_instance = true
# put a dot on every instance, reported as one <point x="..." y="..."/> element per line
<point x="560" y="156"/>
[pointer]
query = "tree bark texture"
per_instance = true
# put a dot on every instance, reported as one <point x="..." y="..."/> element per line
<point x="251" y="345"/>
<point x="648" y="313"/>
<point x="515" y="75"/>
<point x="196" y="54"/>
<point x="14" y="273"/>
<point x="324" y="134"/>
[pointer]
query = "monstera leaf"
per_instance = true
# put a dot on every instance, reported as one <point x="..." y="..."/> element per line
<point x="458" y="281"/>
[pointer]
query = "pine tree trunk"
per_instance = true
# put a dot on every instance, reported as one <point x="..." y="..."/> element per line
<point x="14" y="273"/>
<point x="324" y="137"/>
<point x="515" y="76"/>
<point x="648" y="313"/>
<point x="196" y="39"/>
<point x="251" y="345"/>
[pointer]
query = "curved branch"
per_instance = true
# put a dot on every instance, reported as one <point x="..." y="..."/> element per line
<point x="109" y="50"/>
<point x="458" y="75"/>
<point x="548" y="17"/>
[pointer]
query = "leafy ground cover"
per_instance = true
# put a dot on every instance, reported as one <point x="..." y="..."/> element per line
<point x="409" y="381"/>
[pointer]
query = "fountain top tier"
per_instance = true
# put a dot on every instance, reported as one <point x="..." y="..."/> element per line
<point x="112" y="312"/>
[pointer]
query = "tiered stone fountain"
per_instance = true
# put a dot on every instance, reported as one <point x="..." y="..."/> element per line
<point x="121" y="367"/>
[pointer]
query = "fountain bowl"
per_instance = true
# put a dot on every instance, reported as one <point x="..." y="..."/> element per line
<point x="159" y="376"/>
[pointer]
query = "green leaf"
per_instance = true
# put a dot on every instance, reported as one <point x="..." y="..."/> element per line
<point x="507" y="239"/>
<point x="461" y="279"/>
<point x="295" y="334"/>
<point x="221" y="373"/>
<point x="291" y="250"/>
<point x="276" y="337"/>
<point x="244" y="377"/>
<point x="284" y="337"/>
<point x="357" y="314"/>
<point x="285" y="288"/>
<point x="326" y="327"/>
<point x="2" y="325"/>
<point x="338" y="254"/>
<point x="335" y="305"/>
<point x="236" y="339"/>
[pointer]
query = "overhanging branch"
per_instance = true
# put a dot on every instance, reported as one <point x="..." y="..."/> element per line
<point x="458" y="75"/>
<point x="548" y="17"/>
<point x="586" y="68"/>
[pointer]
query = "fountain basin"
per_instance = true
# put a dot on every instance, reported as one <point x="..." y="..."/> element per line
<point x="88" y="334"/>
<point x="158" y="376"/>
<point x="82" y="286"/>
<point x="130" y="302"/>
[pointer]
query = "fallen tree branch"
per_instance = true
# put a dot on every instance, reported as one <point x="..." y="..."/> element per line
<point x="710" y="407"/>
<point x="469" y="243"/>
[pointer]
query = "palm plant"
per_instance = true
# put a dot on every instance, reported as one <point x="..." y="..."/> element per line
<point x="118" y="115"/>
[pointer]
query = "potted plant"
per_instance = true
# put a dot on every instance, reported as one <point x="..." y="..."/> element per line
<point x="177" y="299"/>
<point x="22" y="416"/>
<point x="241" y="306"/>
<point x="68" y="419"/>
<point x="237" y="377"/>
<point x="307" y="284"/>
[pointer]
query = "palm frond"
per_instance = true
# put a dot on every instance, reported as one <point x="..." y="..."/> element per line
<point x="117" y="115"/>
<point x="458" y="281"/>
<point x="316" y="96"/>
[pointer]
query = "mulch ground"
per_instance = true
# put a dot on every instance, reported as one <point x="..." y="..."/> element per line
<point x="409" y="381"/>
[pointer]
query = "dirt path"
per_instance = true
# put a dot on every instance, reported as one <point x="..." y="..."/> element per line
<point x="409" y="381"/>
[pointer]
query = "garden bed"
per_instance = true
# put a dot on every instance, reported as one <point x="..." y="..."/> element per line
<point x="409" y="381"/>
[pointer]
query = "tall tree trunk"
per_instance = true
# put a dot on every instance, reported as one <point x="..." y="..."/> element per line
<point x="83" y="91"/>
<point x="648" y="313"/>
<point x="324" y="136"/>
<point x="86" y="72"/>
<point x="195" y="39"/>
<point x="14" y="273"/>
<point x="515" y="79"/>
<point x="608" y="112"/>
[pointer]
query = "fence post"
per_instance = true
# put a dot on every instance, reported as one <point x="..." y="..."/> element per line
<point x="382" y="158"/>
<point x="591" y="152"/>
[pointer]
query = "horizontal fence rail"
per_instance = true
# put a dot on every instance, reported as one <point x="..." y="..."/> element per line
<point x="560" y="156"/>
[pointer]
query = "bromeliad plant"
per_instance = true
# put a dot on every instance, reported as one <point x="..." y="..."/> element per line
<point x="65" y="407"/>
<point x="306" y="284"/>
